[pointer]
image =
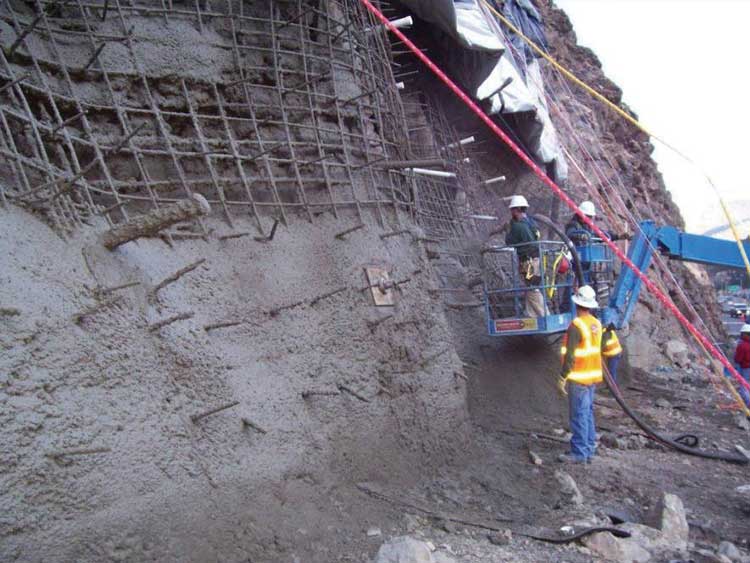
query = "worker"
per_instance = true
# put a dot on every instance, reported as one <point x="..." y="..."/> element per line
<point x="579" y="232"/>
<point x="742" y="360"/>
<point x="576" y="229"/>
<point x="611" y="350"/>
<point x="581" y="371"/>
<point x="523" y="235"/>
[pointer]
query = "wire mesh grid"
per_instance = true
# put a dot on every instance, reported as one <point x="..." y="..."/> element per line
<point x="268" y="108"/>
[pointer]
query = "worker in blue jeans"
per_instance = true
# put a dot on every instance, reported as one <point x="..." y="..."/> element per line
<point x="581" y="371"/>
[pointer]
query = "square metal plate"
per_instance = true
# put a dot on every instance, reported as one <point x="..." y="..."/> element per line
<point x="374" y="276"/>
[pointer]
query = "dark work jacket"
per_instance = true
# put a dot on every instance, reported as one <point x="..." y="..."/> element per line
<point x="580" y="233"/>
<point x="524" y="230"/>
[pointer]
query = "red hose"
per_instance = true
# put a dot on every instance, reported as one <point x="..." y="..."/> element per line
<point x="651" y="286"/>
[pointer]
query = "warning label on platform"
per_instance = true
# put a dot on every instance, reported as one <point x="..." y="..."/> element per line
<point x="516" y="324"/>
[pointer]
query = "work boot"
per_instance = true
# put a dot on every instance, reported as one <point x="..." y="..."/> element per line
<point x="570" y="458"/>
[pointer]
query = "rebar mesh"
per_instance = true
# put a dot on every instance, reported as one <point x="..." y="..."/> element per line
<point x="266" y="108"/>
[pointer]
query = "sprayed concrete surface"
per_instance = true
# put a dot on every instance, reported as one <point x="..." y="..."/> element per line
<point x="108" y="382"/>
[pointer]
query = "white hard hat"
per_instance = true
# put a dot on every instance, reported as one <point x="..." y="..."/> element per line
<point x="745" y="328"/>
<point x="588" y="208"/>
<point x="518" y="201"/>
<point x="586" y="297"/>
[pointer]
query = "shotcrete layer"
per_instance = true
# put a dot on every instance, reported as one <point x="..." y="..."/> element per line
<point x="324" y="391"/>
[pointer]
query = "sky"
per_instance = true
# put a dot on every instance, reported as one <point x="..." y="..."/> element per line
<point x="682" y="66"/>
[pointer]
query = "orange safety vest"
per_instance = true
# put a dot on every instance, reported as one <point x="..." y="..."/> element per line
<point x="587" y="357"/>
<point x="611" y="346"/>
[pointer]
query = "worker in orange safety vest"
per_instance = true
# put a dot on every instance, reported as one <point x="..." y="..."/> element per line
<point x="581" y="370"/>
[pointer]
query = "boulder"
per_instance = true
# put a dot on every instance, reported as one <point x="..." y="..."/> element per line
<point x="706" y="556"/>
<point x="743" y="495"/>
<point x="662" y="403"/>
<point x="569" y="490"/>
<point x="623" y="550"/>
<point x="730" y="550"/>
<point x="500" y="538"/>
<point x="669" y="534"/>
<point x="669" y="517"/>
<point x="442" y="557"/>
<point x="678" y="352"/>
<point x="404" y="550"/>
<point x="741" y="420"/>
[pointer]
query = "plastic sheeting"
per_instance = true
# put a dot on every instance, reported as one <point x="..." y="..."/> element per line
<point x="525" y="17"/>
<point x="481" y="36"/>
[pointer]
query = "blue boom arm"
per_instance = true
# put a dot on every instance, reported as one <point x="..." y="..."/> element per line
<point x="672" y="243"/>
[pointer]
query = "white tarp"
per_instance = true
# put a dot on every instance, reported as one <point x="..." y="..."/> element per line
<point x="476" y="30"/>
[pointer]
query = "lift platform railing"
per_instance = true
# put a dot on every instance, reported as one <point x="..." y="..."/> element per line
<point x="524" y="289"/>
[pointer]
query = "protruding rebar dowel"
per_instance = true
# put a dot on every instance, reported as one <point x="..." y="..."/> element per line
<point x="374" y="324"/>
<point x="67" y="122"/>
<point x="222" y="324"/>
<point x="234" y="235"/>
<point x="395" y="233"/>
<point x="94" y="56"/>
<point x="272" y="234"/>
<point x="79" y="451"/>
<point x="107" y="290"/>
<point x="78" y="317"/>
<point x="14" y="82"/>
<point x="342" y="234"/>
<point x="196" y="417"/>
<point x="177" y="275"/>
<point x="151" y="223"/>
<point x="353" y="393"/>
<point x="169" y="320"/>
<point x="24" y="33"/>
<point x="246" y="422"/>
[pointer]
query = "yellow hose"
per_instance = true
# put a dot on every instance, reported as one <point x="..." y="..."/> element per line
<point x="622" y="113"/>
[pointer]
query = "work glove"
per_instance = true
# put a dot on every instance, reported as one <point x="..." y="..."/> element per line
<point x="562" y="386"/>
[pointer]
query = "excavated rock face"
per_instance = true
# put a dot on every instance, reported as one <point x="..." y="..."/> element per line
<point x="616" y="172"/>
<point x="621" y="154"/>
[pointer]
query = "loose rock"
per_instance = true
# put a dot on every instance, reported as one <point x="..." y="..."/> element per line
<point x="742" y="422"/>
<point x="404" y="550"/>
<point x="606" y="546"/>
<point x="678" y="352"/>
<point x="535" y="459"/>
<point x="663" y="403"/>
<point x="569" y="490"/>
<point x="500" y="538"/>
<point x="669" y="517"/>
<point x="730" y="550"/>
<point x="743" y="494"/>
<point x="442" y="557"/>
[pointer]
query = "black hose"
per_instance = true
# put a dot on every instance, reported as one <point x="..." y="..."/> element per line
<point x="675" y="444"/>
<point x="569" y="243"/>
<point x="579" y="534"/>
